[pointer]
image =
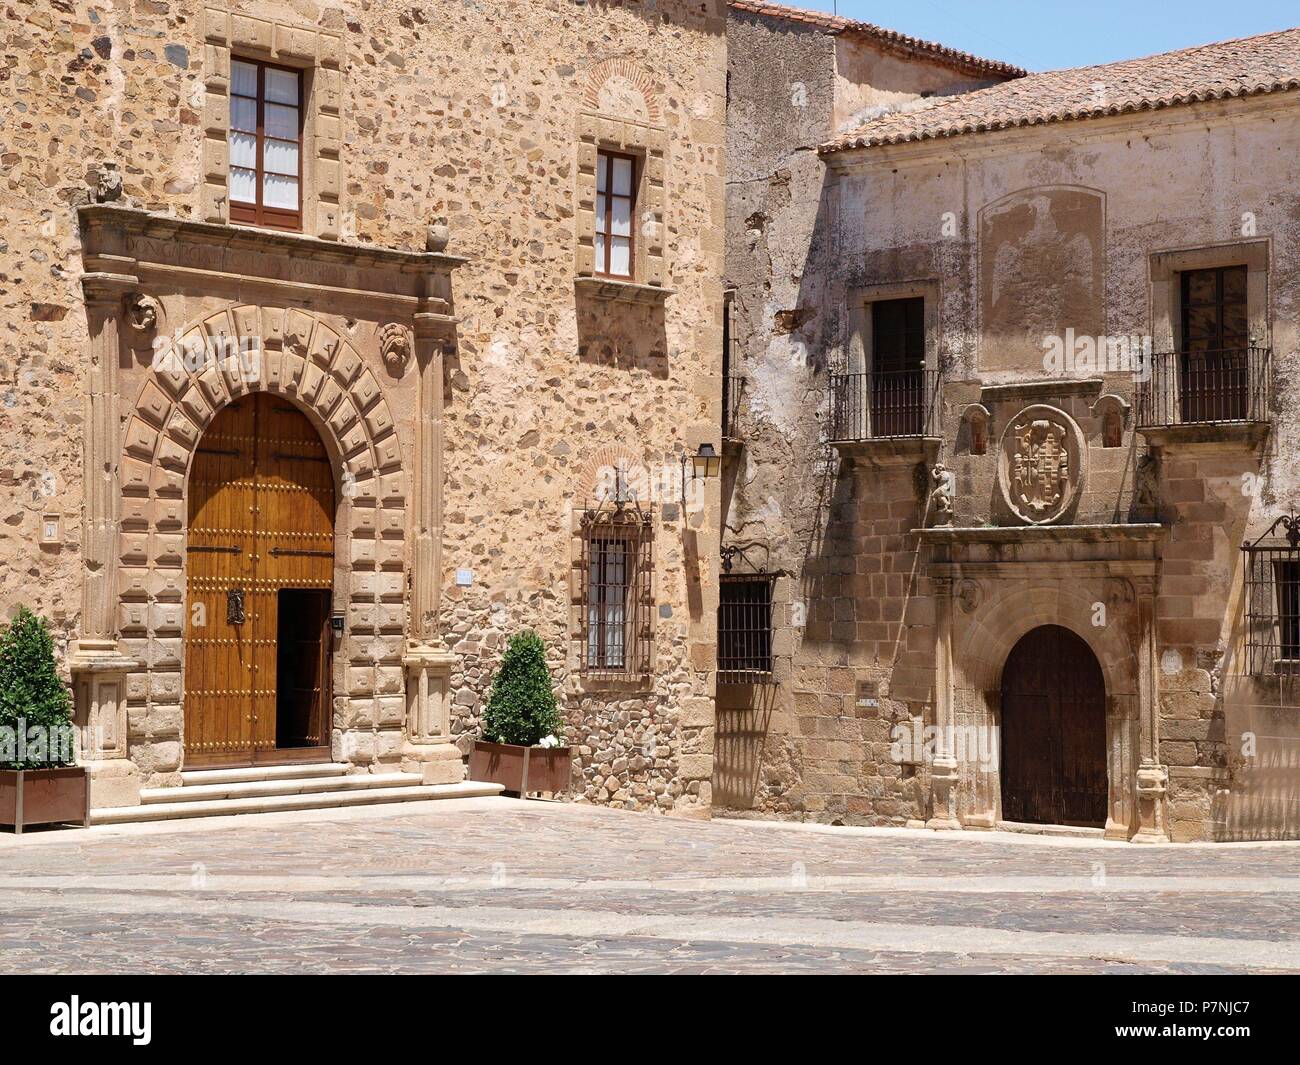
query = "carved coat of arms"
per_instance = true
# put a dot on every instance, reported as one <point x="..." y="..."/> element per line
<point x="1040" y="473"/>
<point x="1041" y="467"/>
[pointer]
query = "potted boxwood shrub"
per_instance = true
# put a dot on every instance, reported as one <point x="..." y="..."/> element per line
<point x="39" y="782"/>
<point x="521" y="748"/>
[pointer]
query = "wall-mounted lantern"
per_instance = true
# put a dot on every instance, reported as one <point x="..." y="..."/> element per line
<point x="705" y="463"/>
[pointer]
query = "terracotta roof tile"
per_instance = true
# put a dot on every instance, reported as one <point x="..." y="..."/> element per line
<point x="1245" y="67"/>
<point x="897" y="42"/>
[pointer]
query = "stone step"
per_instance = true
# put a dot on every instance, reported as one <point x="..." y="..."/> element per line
<point x="252" y="789"/>
<point x="1073" y="831"/>
<point x="262" y="772"/>
<point x="162" y="811"/>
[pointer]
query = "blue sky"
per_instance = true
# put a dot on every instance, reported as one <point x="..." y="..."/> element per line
<point x="1050" y="35"/>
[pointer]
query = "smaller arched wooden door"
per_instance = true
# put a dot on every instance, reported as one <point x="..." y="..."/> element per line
<point x="1053" y="731"/>
<point x="259" y="574"/>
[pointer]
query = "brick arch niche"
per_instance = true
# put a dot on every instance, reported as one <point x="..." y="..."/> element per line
<point x="620" y="110"/>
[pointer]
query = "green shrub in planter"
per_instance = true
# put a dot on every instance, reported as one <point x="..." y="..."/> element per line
<point x="521" y="708"/>
<point x="35" y="708"/>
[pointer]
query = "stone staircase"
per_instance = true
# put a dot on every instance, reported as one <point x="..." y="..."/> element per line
<point x="268" y="789"/>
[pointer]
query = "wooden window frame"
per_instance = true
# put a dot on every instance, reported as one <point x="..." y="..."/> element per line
<point x="897" y="383"/>
<point x="1220" y="304"/>
<point x="257" y="214"/>
<point x="605" y="160"/>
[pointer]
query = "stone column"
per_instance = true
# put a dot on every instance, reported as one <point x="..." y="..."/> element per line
<point x="99" y="669"/>
<point x="944" y="772"/>
<point x="1152" y="781"/>
<point x="429" y="749"/>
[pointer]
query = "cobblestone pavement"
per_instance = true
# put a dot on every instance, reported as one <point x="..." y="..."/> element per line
<point x="497" y="885"/>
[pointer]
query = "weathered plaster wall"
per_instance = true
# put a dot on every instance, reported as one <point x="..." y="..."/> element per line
<point x="472" y="113"/>
<point x="795" y="749"/>
<point x="1026" y="234"/>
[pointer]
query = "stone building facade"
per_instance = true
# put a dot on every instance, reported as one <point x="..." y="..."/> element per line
<point x="1011" y="428"/>
<point x="419" y="282"/>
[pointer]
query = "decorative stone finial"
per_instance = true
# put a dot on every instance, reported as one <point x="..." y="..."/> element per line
<point x="437" y="236"/>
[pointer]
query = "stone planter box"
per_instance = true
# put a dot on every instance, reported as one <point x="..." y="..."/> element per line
<point x="521" y="769"/>
<point x="44" y="797"/>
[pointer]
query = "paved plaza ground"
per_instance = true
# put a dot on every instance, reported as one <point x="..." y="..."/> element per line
<point x="496" y="885"/>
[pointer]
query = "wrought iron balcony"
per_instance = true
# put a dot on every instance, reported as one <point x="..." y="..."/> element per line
<point x="884" y="404"/>
<point x="733" y="390"/>
<point x="1223" y="386"/>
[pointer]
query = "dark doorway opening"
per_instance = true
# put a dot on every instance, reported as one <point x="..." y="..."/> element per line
<point x="1053" y="731"/>
<point x="302" y="668"/>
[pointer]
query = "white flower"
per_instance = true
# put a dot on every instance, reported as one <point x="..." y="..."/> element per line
<point x="548" y="741"/>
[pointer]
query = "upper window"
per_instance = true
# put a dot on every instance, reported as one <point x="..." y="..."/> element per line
<point x="265" y="145"/>
<point x="1214" y="309"/>
<point x="1214" y="377"/>
<point x="615" y="206"/>
<point x="897" y="366"/>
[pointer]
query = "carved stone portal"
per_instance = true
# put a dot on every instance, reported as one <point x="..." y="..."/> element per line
<point x="1041" y="468"/>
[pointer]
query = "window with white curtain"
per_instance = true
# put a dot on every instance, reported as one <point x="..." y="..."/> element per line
<point x="615" y="208"/>
<point x="265" y="140"/>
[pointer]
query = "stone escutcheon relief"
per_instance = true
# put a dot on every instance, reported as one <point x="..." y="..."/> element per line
<point x="1041" y="467"/>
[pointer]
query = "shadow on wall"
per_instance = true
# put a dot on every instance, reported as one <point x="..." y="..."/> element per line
<point x="623" y="336"/>
<point x="744" y="716"/>
<point x="1262" y="735"/>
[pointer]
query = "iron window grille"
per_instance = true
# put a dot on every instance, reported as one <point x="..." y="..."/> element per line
<point x="617" y="598"/>
<point x="1273" y="599"/>
<point x="745" y="628"/>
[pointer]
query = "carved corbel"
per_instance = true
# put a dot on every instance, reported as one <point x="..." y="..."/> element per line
<point x="142" y="312"/>
<point x="396" y="347"/>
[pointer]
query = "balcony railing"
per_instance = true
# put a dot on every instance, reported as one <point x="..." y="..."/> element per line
<point x="733" y="389"/>
<point x="889" y="403"/>
<point x="1206" y="388"/>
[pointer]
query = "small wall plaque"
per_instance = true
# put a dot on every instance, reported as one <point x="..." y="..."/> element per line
<point x="464" y="577"/>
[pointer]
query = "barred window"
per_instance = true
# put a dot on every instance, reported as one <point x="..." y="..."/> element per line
<point x="745" y="629"/>
<point x="616" y="598"/>
<point x="1273" y="599"/>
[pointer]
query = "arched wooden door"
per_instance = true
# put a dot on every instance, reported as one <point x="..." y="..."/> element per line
<point x="1053" y="731"/>
<point x="260" y="567"/>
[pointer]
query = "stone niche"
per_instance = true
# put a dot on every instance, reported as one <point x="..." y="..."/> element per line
<point x="1041" y="268"/>
<point x="183" y="318"/>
